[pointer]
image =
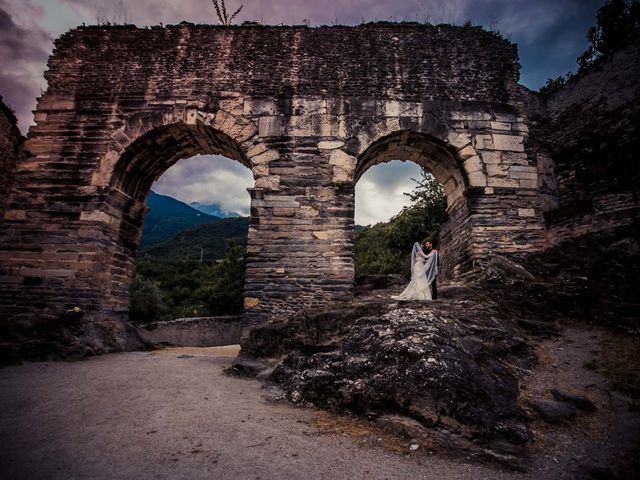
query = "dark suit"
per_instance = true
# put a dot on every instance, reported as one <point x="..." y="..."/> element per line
<point x="434" y="284"/>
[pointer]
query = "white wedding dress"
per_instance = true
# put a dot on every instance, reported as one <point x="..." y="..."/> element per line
<point x="424" y="269"/>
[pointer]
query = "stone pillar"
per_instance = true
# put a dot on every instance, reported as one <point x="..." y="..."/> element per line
<point x="300" y="244"/>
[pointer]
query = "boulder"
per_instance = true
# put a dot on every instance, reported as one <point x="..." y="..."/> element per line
<point x="420" y="370"/>
<point x="578" y="401"/>
<point x="552" y="411"/>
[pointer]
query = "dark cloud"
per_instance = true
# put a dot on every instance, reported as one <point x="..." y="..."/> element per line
<point x="23" y="54"/>
<point x="208" y="179"/>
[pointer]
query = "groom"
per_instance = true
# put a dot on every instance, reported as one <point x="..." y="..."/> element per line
<point x="430" y="246"/>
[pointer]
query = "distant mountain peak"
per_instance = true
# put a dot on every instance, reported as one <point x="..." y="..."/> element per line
<point x="213" y="209"/>
<point x="168" y="216"/>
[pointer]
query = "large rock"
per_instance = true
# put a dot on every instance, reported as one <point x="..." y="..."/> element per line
<point x="450" y="370"/>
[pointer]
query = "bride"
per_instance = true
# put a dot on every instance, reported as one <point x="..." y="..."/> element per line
<point x="424" y="269"/>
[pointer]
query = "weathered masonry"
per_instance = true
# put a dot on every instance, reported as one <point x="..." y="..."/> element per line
<point x="308" y="110"/>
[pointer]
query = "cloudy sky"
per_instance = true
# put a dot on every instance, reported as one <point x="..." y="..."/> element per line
<point x="550" y="35"/>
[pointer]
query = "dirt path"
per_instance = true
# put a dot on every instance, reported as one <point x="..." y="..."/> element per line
<point x="173" y="414"/>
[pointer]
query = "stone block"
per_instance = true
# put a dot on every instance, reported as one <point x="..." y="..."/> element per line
<point x="251" y="302"/>
<point x="473" y="164"/>
<point x="97" y="216"/>
<point x="330" y="144"/>
<point x="528" y="183"/>
<point x="502" y="182"/>
<point x="470" y="116"/>
<point x="260" y="170"/>
<point x="500" y="126"/>
<point x="477" y="179"/>
<point x="496" y="170"/>
<point x="343" y="166"/>
<point x="309" y="106"/>
<point x="265" y="157"/>
<point x="270" y="126"/>
<point x="467" y="152"/>
<point x="256" y="150"/>
<point x="308" y="212"/>
<point x="505" y="117"/>
<point x="313" y="126"/>
<point x="526" y="212"/>
<point x="523" y="175"/>
<point x="491" y="158"/>
<point x="260" y="106"/>
<point x="15" y="215"/>
<point x="329" y="234"/>
<point x="511" y="143"/>
<point x="459" y="140"/>
<point x="395" y="108"/>
<point x="271" y="182"/>
<point x="283" y="212"/>
<point x="483" y="142"/>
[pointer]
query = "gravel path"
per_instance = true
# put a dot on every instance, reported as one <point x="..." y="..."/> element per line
<point x="173" y="414"/>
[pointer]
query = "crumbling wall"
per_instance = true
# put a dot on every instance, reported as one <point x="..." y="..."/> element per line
<point x="10" y="150"/>
<point x="591" y="129"/>
<point x="308" y="110"/>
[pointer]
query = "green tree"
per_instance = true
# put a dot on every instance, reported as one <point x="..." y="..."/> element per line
<point x="224" y="295"/>
<point x="146" y="305"/>
<point x="617" y="26"/>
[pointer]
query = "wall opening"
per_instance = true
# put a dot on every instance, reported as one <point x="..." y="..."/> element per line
<point x="189" y="261"/>
<point x="434" y="165"/>
<point x="191" y="258"/>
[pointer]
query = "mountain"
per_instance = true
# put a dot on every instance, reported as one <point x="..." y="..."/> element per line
<point x="212" y="238"/>
<point x="213" y="209"/>
<point x="167" y="217"/>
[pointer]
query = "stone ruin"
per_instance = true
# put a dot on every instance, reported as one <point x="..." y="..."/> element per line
<point x="308" y="110"/>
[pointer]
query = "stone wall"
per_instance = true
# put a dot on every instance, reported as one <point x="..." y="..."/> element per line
<point x="308" y="110"/>
<point x="10" y="150"/>
<point x="591" y="130"/>
<point x="195" y="332"/>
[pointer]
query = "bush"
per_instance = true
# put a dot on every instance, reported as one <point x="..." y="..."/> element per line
<point x="146" y="302"/>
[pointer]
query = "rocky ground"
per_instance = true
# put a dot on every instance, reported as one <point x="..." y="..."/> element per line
<point x="485" y="373"/>
<point x="174" y="414"/>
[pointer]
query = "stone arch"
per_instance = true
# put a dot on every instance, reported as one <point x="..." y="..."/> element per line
<point x="73" y="213"/>
<point x="427" y="151"/>
<point x="444" y="161"/>
<point x="139" y="161"/>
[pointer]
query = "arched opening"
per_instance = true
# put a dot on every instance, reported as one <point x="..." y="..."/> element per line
<point x="396" y="204"/>
<point x="191" y="257"/>
<point x="430" y="155"/>
<point x="141" y="165"/>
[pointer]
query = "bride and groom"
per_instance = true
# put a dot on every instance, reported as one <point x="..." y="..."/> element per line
<point x="424" y="270"/>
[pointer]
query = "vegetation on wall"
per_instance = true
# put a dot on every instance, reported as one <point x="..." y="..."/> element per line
<point x="221" y="12"/>
<point x="617" y="26"/>
<point x="385" y="248"/>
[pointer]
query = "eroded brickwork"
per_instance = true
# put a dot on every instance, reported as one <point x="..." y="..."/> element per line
<point x="10" y="149"/>
<point x="308" y="110"/>
<point x="591" y="131"/>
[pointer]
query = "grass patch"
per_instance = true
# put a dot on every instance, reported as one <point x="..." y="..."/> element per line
<point x="619" y="361"/>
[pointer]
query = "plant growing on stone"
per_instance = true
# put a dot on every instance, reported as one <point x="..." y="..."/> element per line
<point x="617" y="25"/>
<point x="223" y="15"/>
